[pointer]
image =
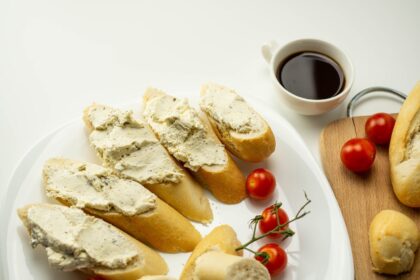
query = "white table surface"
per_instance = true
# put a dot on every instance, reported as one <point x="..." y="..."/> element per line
<point x="56" y="57"/>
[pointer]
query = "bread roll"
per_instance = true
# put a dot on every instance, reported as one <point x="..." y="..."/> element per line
<point x="192" y="142"/>
<point x="242" y="130"/>
<point x="76" y="241"/>
<point x="127" y="146"/>
<point x="394" y="239"/>
<point x="121" y="202"/>
<point x="404" y="151"/>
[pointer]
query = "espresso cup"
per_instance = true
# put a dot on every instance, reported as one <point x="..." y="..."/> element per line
<point x="276" y="56"/>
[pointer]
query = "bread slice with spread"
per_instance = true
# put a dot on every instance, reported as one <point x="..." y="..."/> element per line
<point x="242" y="130"/>
<point x="190" y="140"/>
<point x="122" y="202"/>
<point x="404" y="151"/>
<point x="129" y="147"/>
<point x="76" y="241"/>
<point x="215" y="258"/>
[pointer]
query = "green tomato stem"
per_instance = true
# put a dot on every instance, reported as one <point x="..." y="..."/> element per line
<point x="278" y="229"/>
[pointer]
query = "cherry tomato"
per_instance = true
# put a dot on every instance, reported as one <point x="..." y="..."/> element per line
<point x="379" y="128"/>
<point x="269" y="221"/>
<point x="358" y="154"/>
<point x="277" y="258"/>
<point x="260" y="184"/>
<point x="96" y="278"/>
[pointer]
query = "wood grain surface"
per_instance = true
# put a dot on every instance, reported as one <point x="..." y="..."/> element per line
<point x="361" y="197"/>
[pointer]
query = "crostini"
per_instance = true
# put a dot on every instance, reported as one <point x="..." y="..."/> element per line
<point x="240" y="128"/>
<point x="190" y="140"/>
<point x="130" y="148"/>
<point x="76" y="241"/>
<point x="122" y="202"/>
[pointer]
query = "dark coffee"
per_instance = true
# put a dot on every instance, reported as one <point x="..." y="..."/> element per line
<point x="311" y="75"/>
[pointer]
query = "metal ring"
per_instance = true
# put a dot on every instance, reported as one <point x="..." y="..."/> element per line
<point x="369" y="90"/>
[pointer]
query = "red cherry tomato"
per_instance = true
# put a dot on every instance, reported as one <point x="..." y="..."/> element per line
<point x="96" y="278"/>
<point x="269" y="221"/>
<point x="358" y="154"/>
<point x="260" y="184"/>
<point x="379" y="128"/>
<point x="277" y="258"/>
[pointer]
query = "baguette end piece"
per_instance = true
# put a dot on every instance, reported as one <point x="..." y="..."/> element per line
<point x="222" y="238"/>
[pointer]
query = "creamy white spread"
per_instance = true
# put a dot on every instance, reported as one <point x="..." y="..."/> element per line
<point x="126" y="145"/>
<point x="74" y="240"/>
<point x="180" y="130"/>
<point x="229" y="110"/>
<point x="91" y="185"/>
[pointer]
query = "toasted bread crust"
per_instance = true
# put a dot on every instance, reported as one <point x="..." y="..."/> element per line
<point x="222" y="238"/>
<point x="186" y="196"/>
<point x="151" y="264"/>
<point x="405" y="182"/>
<point x="164" y="229"/>
<point x="227" y="185"/>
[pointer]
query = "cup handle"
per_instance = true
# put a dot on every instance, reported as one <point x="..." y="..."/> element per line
<point x="268" y="49"/>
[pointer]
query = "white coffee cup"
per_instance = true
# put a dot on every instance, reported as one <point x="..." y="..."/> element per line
<point x="275" y="56"/>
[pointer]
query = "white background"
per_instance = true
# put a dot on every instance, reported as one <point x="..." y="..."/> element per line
<point x="56" y="57"/>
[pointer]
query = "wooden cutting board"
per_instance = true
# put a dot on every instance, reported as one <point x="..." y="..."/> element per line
<point x="361" y="197"/>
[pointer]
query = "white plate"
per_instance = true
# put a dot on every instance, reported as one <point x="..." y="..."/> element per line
<point x="319" y="250"/>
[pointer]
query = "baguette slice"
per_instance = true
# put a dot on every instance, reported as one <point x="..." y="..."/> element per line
<point x="215" y="258"/>
<point x="147" y="261"/>
<point x="155" y="223"/>
<point x="215" y="265"/>
<point x="242" y="130"/>
<point x="182" y="192"/>
<point x="404" y="151"/>
<point x="224" y="180"/>
<point x="222" y="238"/>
